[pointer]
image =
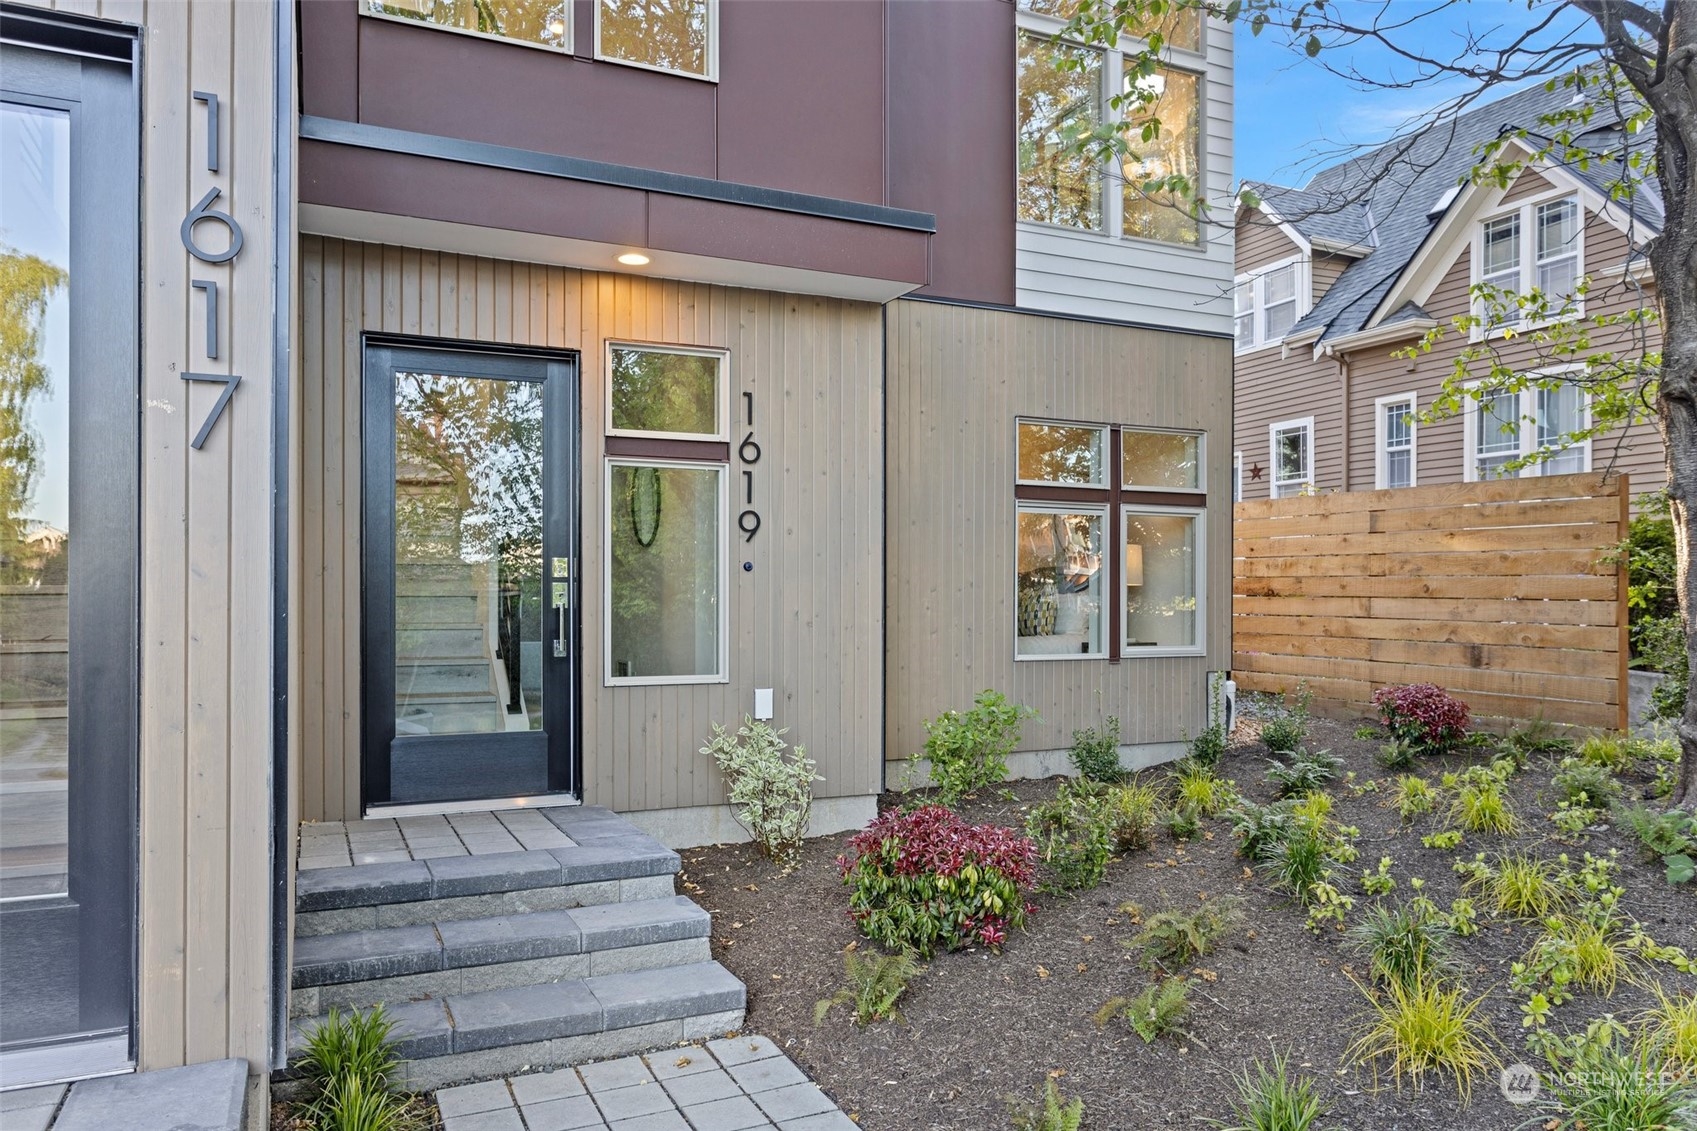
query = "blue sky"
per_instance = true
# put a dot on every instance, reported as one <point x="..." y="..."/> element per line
<point x="1290" y="109"/>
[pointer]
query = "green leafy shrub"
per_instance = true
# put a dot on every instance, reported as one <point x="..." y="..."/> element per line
<point x="771" y="795"/>
<point x="1173" y="939"/>
<point x="1072" y="834"/>
<point x="1424" y="1027"/>
<point x="1671" y="836"/>
<point x="1658" y="644"/>
<point x="1307" y="773"/>
<point x="1271" y="1099"/>
<point x="1445" y="841"/>
<point x="1207" y="748"/>
<point x="1582" y="783"/>
<point x="1379" y="882"/>
<point x="1403" y="944"/>
<point x="1397" y="754"/>
<point x="875" y="983"/>
<point x="1284" y="732"/>
<point x="1154" y="1011"/>
<point x="1481" y="803"/>
<point x="927" y="879"/>
<point x="1096" y="753"/>
<point x="349" y="1063"/>
<point x="1423" y="716"/>
<point x="968" y="751"/>
<point x="1537" y="739"/>
<point x="1051" y="1113"/>
<point x="1131" y="811"/>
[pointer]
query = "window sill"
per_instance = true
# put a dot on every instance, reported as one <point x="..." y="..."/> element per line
<point x="711" y="77"/>
<point x="1020" y="658"/>
<point x="661" y="680"/>
<point x="1158" y="652"/>
<point x="1097" y="235"/>
<point x="1259" y="347"/>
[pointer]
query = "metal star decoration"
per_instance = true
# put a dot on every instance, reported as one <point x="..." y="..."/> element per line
<point x="1254" y="471"/>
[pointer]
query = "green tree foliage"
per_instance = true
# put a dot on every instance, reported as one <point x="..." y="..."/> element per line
<point x="27" y="284"/>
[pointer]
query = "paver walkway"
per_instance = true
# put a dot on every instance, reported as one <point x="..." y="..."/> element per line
<point x="394" y="840"/>
<point x="733" y="1084"/>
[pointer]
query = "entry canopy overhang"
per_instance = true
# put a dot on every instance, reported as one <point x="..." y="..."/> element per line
<point x="385" y="185"/>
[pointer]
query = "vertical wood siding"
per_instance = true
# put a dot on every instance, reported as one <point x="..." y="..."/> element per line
<point x="958" y="377"/>
<point x="807" y="621"/>
<point x="204" y="877"/>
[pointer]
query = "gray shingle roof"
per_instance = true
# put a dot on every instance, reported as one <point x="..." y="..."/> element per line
<point x="1382" y="199"/>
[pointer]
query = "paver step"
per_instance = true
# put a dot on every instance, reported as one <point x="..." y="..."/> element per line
<point x="462" y="1036"/>
<point x="609" y="861"/>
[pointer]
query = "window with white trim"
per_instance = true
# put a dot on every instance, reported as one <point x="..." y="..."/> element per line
<point x="1292" y="445"/>
<point x="1508" y="425"/>
<point x="1393" y="441"/>
<point x="1056" y="108"/>
<point x="666" y="612"/>
<point x="1268" y="302"/>
<point x="1551" y="261"/>
<point x="1108" y="528"/>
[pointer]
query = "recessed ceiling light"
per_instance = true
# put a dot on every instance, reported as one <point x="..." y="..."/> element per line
<point x="633" y="259"/>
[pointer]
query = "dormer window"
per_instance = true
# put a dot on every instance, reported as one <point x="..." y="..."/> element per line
<point x="1539" y="245"/>
<point x="1268" y="302"/>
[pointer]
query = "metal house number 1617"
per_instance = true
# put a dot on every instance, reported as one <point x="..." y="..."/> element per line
<point x="204" y="213"/>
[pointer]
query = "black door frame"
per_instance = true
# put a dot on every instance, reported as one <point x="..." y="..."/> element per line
<point x="88" y="68"/>
<point x="558" y="372"/>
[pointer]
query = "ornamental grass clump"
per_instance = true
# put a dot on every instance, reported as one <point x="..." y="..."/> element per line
<point x="349" y="1063"/>
<point x="1423" y="716"/>
<point x="771" y="795"/>
<point x="1424" y="1026"/>
<point x="1270" y="1098"/>
<point x="927" y="880"/>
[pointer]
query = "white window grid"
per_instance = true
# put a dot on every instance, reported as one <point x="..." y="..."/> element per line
<point x="1269" y="301"/>
<point x="1507" y="425"/>
<point x="1538" y="242"/>
<point x="1394" y="440"/>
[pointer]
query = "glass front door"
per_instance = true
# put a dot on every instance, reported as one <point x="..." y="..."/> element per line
<point x="68" y="564"/>
<point x="470" y="574"/>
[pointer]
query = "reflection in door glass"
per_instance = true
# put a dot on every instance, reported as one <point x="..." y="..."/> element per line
<point x="468" y="555"/>
<point x="35" y="255"/>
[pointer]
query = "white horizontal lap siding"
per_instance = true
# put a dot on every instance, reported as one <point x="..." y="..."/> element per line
<point x="1102" y="276"/>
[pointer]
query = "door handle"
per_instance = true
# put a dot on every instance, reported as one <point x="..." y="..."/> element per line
<point x="562" y="602"/>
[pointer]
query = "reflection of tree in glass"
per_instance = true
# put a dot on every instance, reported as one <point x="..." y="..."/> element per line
<point x="1058" y="110"/>
<point x="533" y="21"/>
<point x="665" y="392"/>
<point x="1053" y="453"/>
<point x="665" y="594"/>
<point x="661" y="33"/>
<point x="1168" y="573"/>
<point x="1162" y="163"/>
<point x="468" y="471"/>
<point x="27" y="283"/>
<point x="1179" y="25"/>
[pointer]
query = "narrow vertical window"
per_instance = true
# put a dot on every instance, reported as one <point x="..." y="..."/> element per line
<point x="1558" y="249"/>
<point x="1243" y="312"/>
<point x="1161" y="567"/>
<point x="1154" y="212"/>
<point x="1496" y="434"/>
<point x="1292" y="444"/>
<point x="1279" y="304"/>
<point x="1396" y="441"/>
<point x="1058" y="184"/>
<point x="1561" y="411"/>
<point x="1059" y="582"/>
<point x="665" y="506"/>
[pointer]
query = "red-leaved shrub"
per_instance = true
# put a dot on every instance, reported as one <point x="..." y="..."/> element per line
<point x="1424" y="715"/>
<point x="927" y="879"/>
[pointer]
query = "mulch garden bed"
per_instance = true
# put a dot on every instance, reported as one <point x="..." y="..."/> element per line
<point x="980" y="1027"/>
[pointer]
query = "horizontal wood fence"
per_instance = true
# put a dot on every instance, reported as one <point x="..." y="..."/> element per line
<point x="1498" y="592"/>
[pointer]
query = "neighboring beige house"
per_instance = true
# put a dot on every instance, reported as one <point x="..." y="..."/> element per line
<point x="1336" y="278"/>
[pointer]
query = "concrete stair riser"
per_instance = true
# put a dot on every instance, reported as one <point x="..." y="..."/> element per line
<point x="309" y="923"/>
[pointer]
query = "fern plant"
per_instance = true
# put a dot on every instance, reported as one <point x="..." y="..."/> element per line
<point x="1154" y="1011"/>
<point x="771" y="795"/>
<point x="1051" y="1113"/>
<point x="1172" y="939"/>
<point x="876" y="982"/>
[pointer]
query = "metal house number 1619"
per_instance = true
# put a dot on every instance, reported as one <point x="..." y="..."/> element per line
<point x="204" y="213"/>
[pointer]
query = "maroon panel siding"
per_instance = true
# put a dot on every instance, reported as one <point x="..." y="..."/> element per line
<point x="329" y="47"/>
<point x="951" y="138"/>
<point x="407" y="185"/>
<point x="420" y="78"/>
<point x="801" y="96"/>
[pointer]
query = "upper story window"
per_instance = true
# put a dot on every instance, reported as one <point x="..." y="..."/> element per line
<point x="1536" y="245"/>
<point x="539" y="23"/>
<point x="676" y="36"/>
<point x="1508" y="425"/>
<point x="1058" y="108"/>
<point x="1268" y="302"/>
<point x="680" y="36"/>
